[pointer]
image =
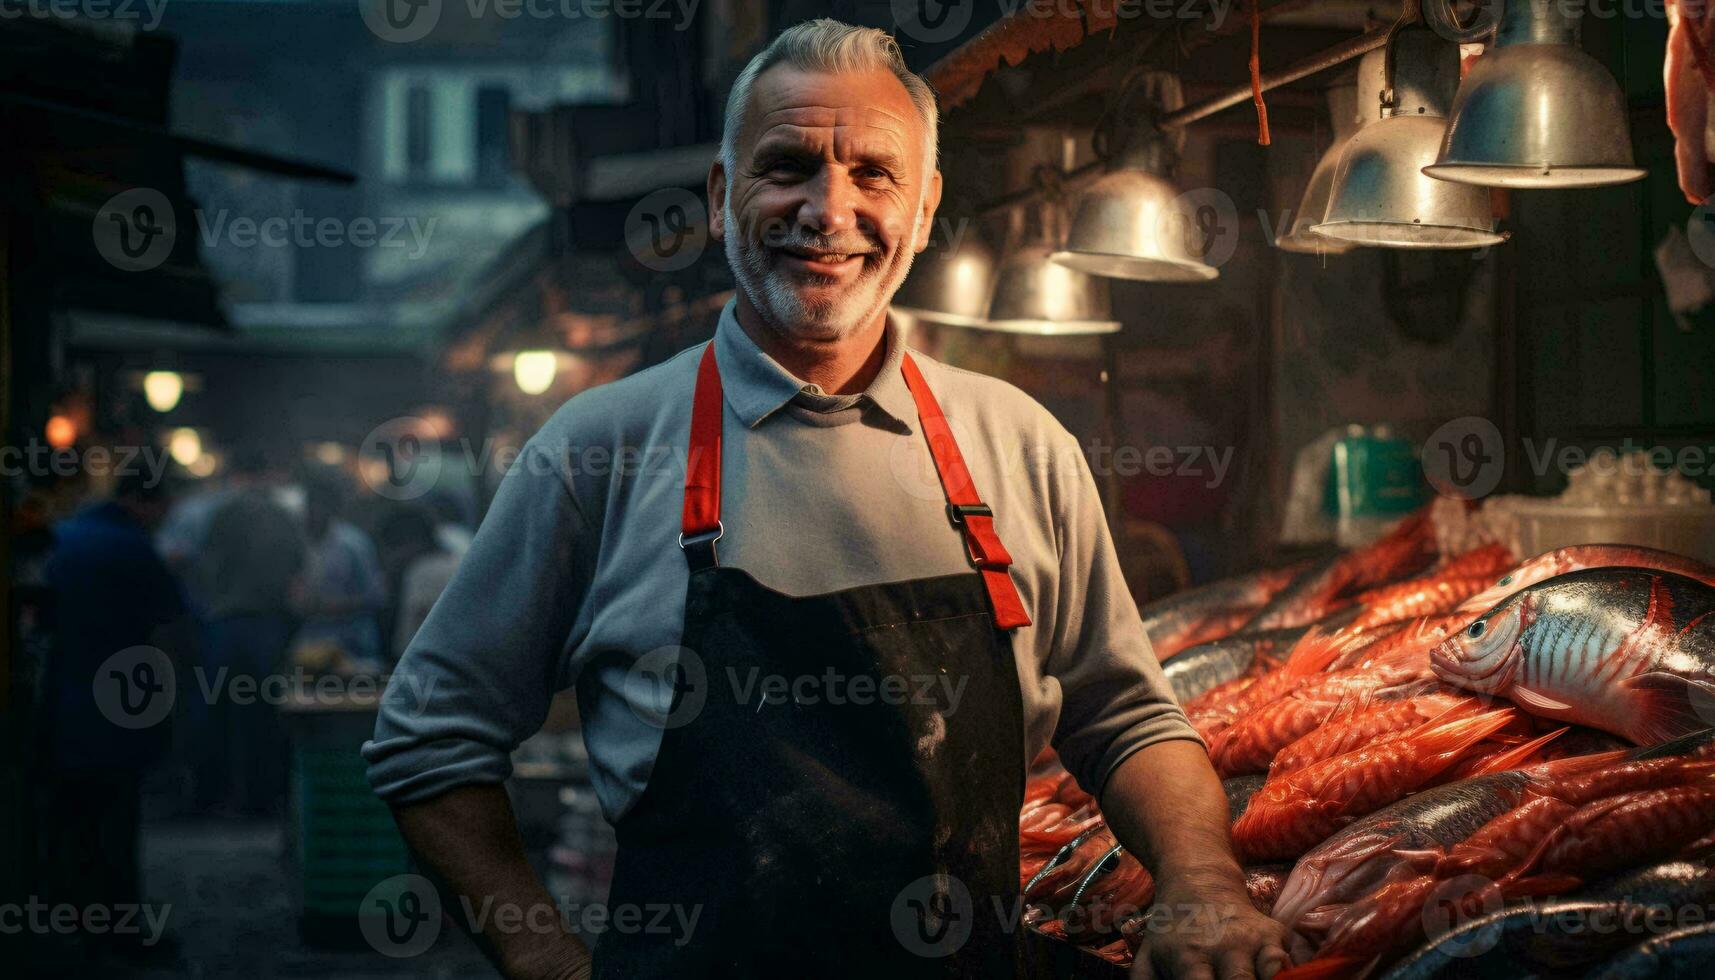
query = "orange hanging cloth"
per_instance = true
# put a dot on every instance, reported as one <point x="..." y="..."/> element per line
<point x="1262" y="136"/>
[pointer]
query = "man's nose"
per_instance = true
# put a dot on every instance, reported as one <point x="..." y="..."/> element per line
<point x="830" y="203"/>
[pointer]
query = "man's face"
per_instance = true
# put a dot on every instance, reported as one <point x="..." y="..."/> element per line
<point x="830" y="198"/>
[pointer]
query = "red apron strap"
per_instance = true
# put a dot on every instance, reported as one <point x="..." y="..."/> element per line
<point x="701" y="526"/>
<point x="973" y="517"/>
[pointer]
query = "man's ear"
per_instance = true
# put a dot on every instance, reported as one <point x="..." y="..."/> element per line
<point x="931" y="202"/>
<point x="717" y="200"/>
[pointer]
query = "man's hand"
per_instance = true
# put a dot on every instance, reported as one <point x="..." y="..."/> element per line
<point x="1166" y="805"/>
<point x="1203" y="931"/>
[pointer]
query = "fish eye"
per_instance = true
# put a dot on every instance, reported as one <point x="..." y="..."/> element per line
<point x="1477" y="629"/>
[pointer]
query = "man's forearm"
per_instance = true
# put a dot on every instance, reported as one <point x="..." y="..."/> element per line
<point x="469" y="838"/>
<point x="1166" y="805"/>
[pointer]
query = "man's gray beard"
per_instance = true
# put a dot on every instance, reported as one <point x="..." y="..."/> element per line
<point x="785" y="312"/>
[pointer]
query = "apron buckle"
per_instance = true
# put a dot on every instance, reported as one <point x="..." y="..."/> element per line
<point x="699" y="548"/>
<point x="958" y="512"/>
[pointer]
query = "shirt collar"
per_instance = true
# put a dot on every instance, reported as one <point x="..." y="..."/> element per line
<point x="757" y="386"/>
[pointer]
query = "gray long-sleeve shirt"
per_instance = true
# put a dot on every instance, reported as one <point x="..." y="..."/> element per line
<point x="576" y="573"/>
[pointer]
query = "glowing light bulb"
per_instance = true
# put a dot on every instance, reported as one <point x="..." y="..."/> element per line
<point x="162" y="389"/>
<point x="534" y="370"/>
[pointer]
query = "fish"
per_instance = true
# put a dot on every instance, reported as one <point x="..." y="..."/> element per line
<point x="1293" y="813"/>
<point x="1628" y="651"/>
<point x="1382" y="863"/>
<point x="1416" y="598"/>
<point x="1225" y="704"/>
<point x="1605" y="817"/>
<point x="1322" y="588"/>
<point x="1249" y="744"/>
<point x="1171" y="622"/>
<point x="1670" y="884"/>
<point x="1426" y="632"/>
<point x="1116" y="888"/>
<point x="1056" y="883"/>
<point x="1684" y="954"/>
<point x="1356" y="861"/>
<point x="1198" y="669"/>
<point x="1364" y="722"/>
<point x="1558" y="937"/>
<point x="1240" y="790"/>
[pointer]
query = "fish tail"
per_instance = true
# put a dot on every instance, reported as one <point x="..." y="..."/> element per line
<point x="1667" y="705"/>
<point x="1437" y="745"/>
<point x="1516" y="757"/>
<point x="1318" y="648"/>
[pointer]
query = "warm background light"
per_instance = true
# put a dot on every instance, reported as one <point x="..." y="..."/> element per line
<point x="162" y="389"/>
<point x="534" y="370"/>
<point x="185" y="446"/>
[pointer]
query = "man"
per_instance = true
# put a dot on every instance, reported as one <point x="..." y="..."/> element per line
<point x="245" y="571"/>
<point x="844" y="522"/>
<point x="111" y="592"/>
<point x="343" y="590"/>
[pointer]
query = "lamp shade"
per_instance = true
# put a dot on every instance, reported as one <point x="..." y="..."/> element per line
<point x="1380" y="195"/>
<point x="1536" y="111"/>
<point x="1133" y="224"/>
<point x="1313" y="206"/>
<point x="951" y="284"/>
<point x="1034" y="295"/>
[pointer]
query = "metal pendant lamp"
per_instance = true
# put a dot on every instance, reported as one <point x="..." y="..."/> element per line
<point x="1313" y="206"/>
<point x="951" y="285"/>
<point x="1535" y="110"/>
<point x="1132" y="223"/>
<point x="1035" y="295"/>
<point x="1380" y="195"/>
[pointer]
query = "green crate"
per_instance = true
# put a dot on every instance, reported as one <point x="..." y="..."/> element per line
<point x="344" y="841"/>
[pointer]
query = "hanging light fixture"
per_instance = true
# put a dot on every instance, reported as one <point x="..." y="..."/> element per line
<point x="1034" y="294"/>
<point x="1133" y="223"/>
<point x="952" y="284"/>
<point x="1343" y="101"/>
<point x="1380" y="194"/>
<point x="1535" y="111"/>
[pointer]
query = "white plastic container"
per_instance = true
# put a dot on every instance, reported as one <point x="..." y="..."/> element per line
<point x="1540" y="525"/>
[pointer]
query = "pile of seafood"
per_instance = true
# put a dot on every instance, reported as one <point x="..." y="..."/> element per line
<point x="1438" y="765"/>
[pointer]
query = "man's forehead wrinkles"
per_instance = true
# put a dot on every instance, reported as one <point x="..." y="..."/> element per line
<point x="820" y="115"/>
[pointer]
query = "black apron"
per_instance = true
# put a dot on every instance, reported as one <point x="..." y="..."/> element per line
<point x="864" y="824"/>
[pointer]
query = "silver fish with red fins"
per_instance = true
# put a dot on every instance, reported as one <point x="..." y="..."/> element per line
<point x="1628" y="651"/>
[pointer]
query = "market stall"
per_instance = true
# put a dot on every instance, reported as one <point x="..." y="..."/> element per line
<point x="1462" y="738"/>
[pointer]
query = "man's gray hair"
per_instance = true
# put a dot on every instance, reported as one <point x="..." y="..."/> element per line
<point x="827" y="45"/>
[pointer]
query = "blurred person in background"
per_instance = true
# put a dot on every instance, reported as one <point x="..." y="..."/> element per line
<point x="343" y="590"/>
<point x="111" y="592"/>
<point x="418" y="564"/>
<point x="250" y="557"/>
